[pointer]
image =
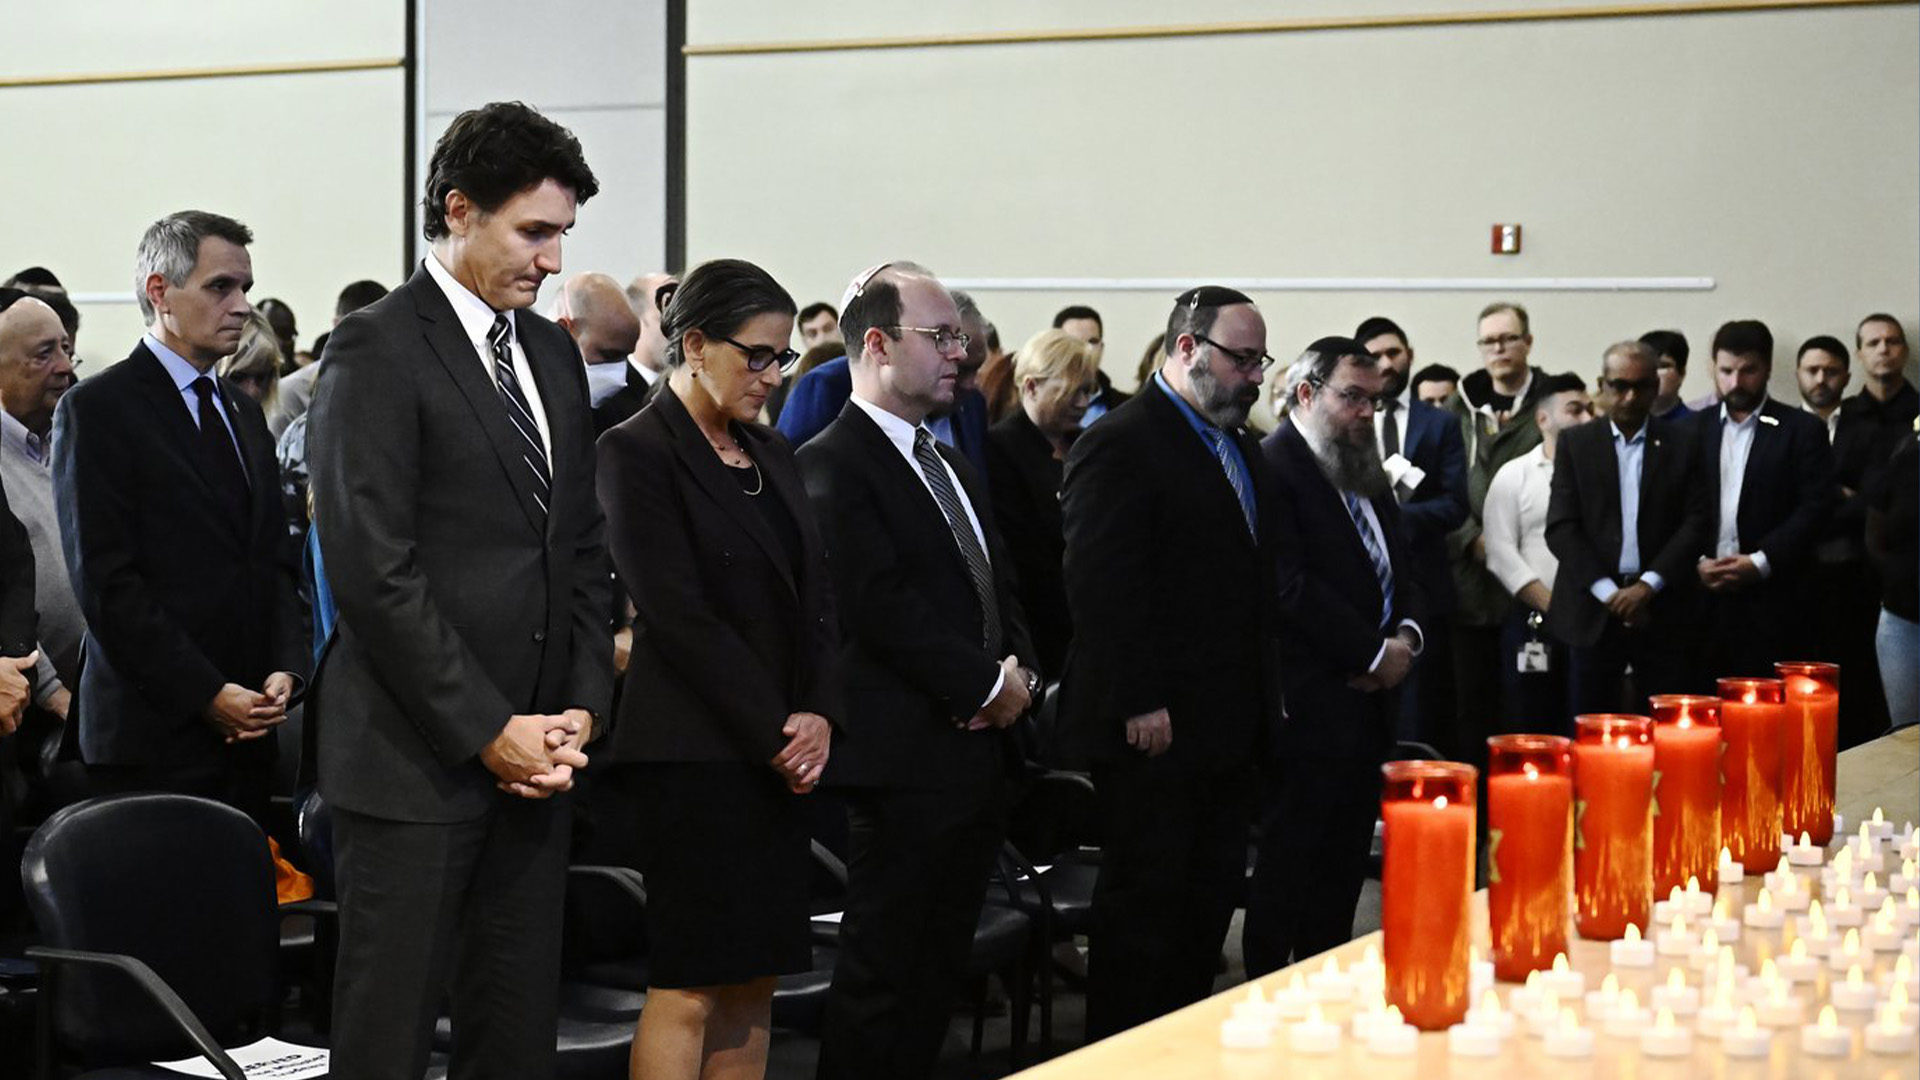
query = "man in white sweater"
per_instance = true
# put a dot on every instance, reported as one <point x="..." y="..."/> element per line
<point x="1514" y="522"/>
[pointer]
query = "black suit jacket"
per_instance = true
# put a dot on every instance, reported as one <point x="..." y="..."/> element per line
<point x="911" y="626"/>
<point x="1787" y="491"/>
<point x="460" y="603"/>
<point x="1329" y="604"/>
<point x="1025" y="479"/>
<point x="19" y="620"/>
<point x="1584" y="524"/>
<point x="1170" y="595"/>
<point x="734" y="632"/>
<point x="616" y="408"/>
<point x="182" y="592"/>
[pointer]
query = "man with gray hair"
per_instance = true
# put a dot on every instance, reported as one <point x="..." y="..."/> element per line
<point x="1168" y="686"/>
<point x="1626" y="524"/>
<point x="1349" y="610"/>
<point x="168" y="499"/>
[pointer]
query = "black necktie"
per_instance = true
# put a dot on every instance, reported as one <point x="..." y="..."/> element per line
<point x="977" y="566"/>
<point x="216" y="446"/>
<point x="1390" y="428"/>
<point x="519" y="410"/>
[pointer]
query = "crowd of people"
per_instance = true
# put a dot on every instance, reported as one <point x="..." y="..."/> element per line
<point x="478" y="548"/>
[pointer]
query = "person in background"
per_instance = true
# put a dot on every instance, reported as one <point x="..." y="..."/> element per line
<point x="819" y="324"/>
<point x="725" y="720"/>
<point x="36" y="371"/>
<point x="1081" y="321"/>
<point x="1435" y="384"/>
<point x="254" y="367"/>
<point x="647" y="366"/>
<point x="1026" y="459"/>
<point x="1671" y="347"/>
<point x="593" y="308"/>
<point x="1893" y="540"/>
<point x="1886" y="397"/>
<point x="1515" y="522"/>
<point x="285" y="330"/>
<point x="296" y="389"/>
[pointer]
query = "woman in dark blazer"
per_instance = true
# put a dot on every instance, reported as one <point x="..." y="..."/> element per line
<point x="1054" y="375"/>
<point x="723" y="722"/>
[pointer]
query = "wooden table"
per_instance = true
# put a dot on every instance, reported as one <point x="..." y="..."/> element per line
<point x="1185" y="1045"/>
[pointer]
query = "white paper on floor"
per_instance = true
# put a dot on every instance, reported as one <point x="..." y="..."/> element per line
<point x="268" y="1059"/>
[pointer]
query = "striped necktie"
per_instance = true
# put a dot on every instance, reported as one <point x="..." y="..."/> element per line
<point x="978" y="568"/>
<point x="519" y="410"/>
<point x="1382" y="569"/>
<point x="1217" y="440"/>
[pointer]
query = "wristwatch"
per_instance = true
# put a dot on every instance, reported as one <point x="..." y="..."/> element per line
<point x="1033" y="682"/>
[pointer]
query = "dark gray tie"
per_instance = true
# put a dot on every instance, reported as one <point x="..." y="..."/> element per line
<point x="955" y="512"/>
<point x="519" y="410"/>
<point x="1390" y="428"/>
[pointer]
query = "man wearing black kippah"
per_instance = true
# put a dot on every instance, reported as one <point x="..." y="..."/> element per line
<point x="1169" y="684"/>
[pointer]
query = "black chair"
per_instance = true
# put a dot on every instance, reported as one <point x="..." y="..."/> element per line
<point x="161" y="933"/>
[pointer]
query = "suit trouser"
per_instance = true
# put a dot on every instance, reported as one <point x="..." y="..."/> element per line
<point x="243" y="781"/>
<point x="1596" y="678"/>
<point x="1745" y="633"/>
<point x="479" y="901"/>
<point x="1846" y="617"/>
<point x="1172" y="870"/>
<point x="915" y="883"/>
<point x="1316" y="834"/>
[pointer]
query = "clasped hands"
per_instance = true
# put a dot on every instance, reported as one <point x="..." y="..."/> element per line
<point x="241" y="715"/>
<point x="802" y="761"/>
<point x="1396" y="661"/>
<point x="1729" y="573"/>
<point x="1631" y="604"/>
<point x="535" y="755"/>
<point x="1008" y="704"/>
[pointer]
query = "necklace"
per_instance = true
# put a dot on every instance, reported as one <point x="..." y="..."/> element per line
<point x="759" y="480"/>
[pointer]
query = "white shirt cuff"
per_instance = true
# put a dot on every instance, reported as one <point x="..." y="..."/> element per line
<point x="1419" y="643"/>
<point x="998" y="682"/>
<point x="1653" y="580"/>
<point x="1761" y="564"/>
<point x="1603" y="589"/>
<point x="1377" y="657"/>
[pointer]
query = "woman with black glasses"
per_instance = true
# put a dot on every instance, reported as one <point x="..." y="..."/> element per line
<point x="723" y="721"/>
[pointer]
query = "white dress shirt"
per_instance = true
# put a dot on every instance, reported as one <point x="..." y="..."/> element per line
<point x="901" y="434"/>
<point x="1630" y="455"/>
<point x="1399" y="419"/>
<point x="476" y="319"/>
<point x="1736" y="445"/>
<point x="1831" y="420"/>
<point x="1514" y="522"/>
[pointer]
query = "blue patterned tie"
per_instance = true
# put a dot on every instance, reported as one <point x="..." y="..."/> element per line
<point x="1382" y="569"/>
<point x="1217" y="439"/>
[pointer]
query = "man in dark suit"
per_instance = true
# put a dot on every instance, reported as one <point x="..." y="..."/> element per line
<point x="169" y="504"/>
<point x="1349" y="603"/>
<point x="1767" y="472"/>
<point x="1433" y="502"/>
<point x="646" y="368"/>
<point x="936" y="664"/>
<point x="1626" y="523"/>
<point x="1168" y="683"/>
<point x="819" y="397"/>
<point x="453" y="475"/>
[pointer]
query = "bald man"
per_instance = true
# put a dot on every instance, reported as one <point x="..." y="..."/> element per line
<point x="593" y="308"/>
<point x="648" y="362"/>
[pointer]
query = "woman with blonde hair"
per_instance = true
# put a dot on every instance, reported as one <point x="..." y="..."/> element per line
<point x="1055" y="378"/>
<point x="254" y="367"/>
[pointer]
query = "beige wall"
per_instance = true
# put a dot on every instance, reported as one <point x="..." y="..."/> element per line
<point x="312" y="162"/>
<point x="1775" y="153"/>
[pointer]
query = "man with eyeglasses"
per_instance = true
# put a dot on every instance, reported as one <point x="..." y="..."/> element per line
<point x="937" y="664"/>
<point x="1626" y="523"/>
<point x="1495" y="407"/>
<point x="1423" y="451"/>
<point x="1349" y="607"/>
<point x="1768" y="477"/>
<point x="1169" y="686"/>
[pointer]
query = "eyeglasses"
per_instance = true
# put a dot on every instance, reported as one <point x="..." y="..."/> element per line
<point x="1501" y="341"/>
<point x="1627" y="386"/>
<point x="1247" y="360"/>
<point x="1350" y="396"/>
<point x="761" y="357"/>
<point x="944" y="339"/>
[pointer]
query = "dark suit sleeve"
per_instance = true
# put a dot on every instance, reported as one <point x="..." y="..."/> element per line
<point x="1809" y="468"/>
<point x="590" y="681"/>
<point x="1580" y="562"/>
<point x="1108" y="512"/>
<point x="807" y="412"/>
<point x="19" y="623"/>
<point x="364" y="443"/>
<point x="879" y="606"/>
<point x="660" y="559"/>
<point x="94" y="478"/>
<point x="1438" y="517"/>
<point x="1317" y="614"/>
<point x="1677" y="560"/>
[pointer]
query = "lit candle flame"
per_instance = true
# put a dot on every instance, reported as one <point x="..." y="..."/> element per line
<point x="1878" y="817"/>
<point x="1664" y="1020"/>
<point x="1392" y="1016"/>
<point x="1769" y="974"/>
<point x="1851" y="943"/>
<point x="1674" y="896"/>
<point x="1560" y="963"/>
<point x="1679" y="927"/>
<point x="1676" y="981"/>
<point x="1854" y="978"/>
<point x="1632" y="934"/>
<point x="1749" y="1021"/>
<point x="1568" y="1021"/>
<point x="1533" y="977"/>
<point x="1531" y="770"/>
<point x="1629" y="1001"/>
<point x="1799" y="950"/>
<point x="1829" y="1020"/>
<point x="1806" y="841"/>
<point x="1710" y="941"/>
<point x="1898" y="995"/>
<point x="1610" y="986"/>
<point x="1297" y="984"/>
<point x="1440" y="802"/>
<point x="1490" y="1004"/>
<point x="1726" y="856"/>
<point x="1254" y="996"/>
<point x="1869" y="883"/>
<point x="1765" y="901"/>
<point x="1693" y="885"/>
<point x="1331" y="967"/>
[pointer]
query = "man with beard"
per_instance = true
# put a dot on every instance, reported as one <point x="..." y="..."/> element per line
<point x="1768" y="474"/>
<point x="1169" y="684"/>
<point x="1626" y="524"/>
<point x="1430" y="484"/>
<point x="1349" y="631"/>
<point x="1847" y="594"/>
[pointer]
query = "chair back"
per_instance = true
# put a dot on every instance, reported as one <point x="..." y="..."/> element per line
<point x="183" y="884"/>
<point x="315" y="824"/>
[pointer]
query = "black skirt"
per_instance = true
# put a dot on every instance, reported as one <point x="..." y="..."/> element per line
<point x="727" y="869"/>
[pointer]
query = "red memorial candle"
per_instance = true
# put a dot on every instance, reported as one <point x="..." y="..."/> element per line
<point x="1811" y="734"/>
<point x="1751" y="718"/>
<point x="1686" y="792"/>
<point x="1612" y="824"/>
<point x="1529" y="850"/>
<point x="1426" y="880"/>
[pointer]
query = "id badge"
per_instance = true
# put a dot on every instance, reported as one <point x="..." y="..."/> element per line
<point x="1532" y="658"/>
